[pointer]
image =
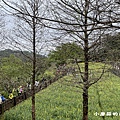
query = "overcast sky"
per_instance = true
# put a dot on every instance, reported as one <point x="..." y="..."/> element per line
<point x="44" y="45"/>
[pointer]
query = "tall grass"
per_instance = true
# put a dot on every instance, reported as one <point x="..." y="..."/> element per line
<point x="63" y="102"/>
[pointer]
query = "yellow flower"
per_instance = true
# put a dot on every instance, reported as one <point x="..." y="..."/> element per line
<point x="11" y="96"/>
<point x="13" y="90"/>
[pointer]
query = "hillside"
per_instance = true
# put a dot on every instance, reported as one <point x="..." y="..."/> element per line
<point x="63" y="102"/>
<point x="20" y="54"/>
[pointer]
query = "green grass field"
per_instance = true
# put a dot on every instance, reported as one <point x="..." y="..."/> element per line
<point x="63" y="102"/>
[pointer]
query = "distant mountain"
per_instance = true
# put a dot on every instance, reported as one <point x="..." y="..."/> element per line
<point x="20" y="54"/>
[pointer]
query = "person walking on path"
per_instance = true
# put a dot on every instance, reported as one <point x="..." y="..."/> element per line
<point x="2" y="99"/>
<point x="20" y="90"/>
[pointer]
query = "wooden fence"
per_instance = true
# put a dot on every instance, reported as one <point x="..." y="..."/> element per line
<point x="18" y="99"/>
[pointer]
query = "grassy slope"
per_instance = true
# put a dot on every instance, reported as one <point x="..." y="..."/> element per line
<point x="62" y="102"/>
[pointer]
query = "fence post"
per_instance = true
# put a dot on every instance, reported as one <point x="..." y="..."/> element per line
<point x="50" y="81"/>
<point x="25" y="95"/>
<point x="14" y="101"/>
<point x="1" y="109"/>
<point x="45" y="84"/>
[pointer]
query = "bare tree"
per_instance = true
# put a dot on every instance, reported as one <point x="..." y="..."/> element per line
<point x="28" y="33"/>
<point x="84" y="21"/>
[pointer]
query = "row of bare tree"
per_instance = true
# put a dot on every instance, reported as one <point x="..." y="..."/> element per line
<point x="81" y="21"/>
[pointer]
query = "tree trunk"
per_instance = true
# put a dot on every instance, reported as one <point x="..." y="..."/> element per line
<point x="85" y="104"/>
<point x="86" y="59"/>
<point x="85" y="87"/>
<point x="34" y="66"/>
<point x="33" y="83"/>
<point x="85" y="80"/>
